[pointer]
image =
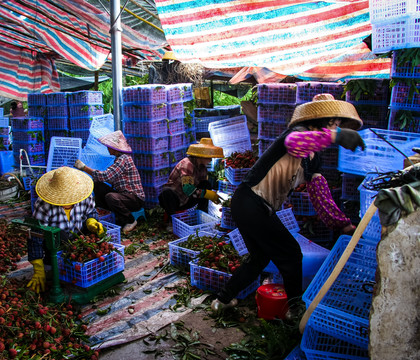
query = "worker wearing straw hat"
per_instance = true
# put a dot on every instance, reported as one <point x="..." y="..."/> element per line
<point x="291" y="160"/>
<point x="125" y="195"/>
<point x="65" y="201"/>
<point x="188" y="183"/>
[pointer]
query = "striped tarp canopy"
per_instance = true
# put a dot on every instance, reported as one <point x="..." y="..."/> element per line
<point x="272" y="39"/>
<point x="36" y="32"/>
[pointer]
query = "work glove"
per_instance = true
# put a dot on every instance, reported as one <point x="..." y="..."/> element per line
<point x="79" y="165"/>
<point x="211" y="195"/>
<point x="94" y="226"/>
<point x="349" y="139"/>
<point x="37" y="282"/>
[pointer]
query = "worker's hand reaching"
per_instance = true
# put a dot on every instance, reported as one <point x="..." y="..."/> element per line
<point x="94" y="226"/>
<point x="79" y="165"/>
<point x="212" y="195"/>
<point x="38" y="280"/>
<point x="349" y="139"/>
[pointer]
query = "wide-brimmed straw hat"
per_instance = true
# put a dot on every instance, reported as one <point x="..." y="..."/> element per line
<point x="325" y="106"/>
<point x="117" y="141"/>
<point x="205" y="149"/>
<point x="64" y="186"/>
<point x="169" y="55"/>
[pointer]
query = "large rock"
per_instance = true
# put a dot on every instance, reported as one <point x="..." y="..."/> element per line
<point x="395" y="312"/>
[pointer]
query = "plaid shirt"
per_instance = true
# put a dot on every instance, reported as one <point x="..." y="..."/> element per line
<point x="55" y="216"/>
<point x="186" y="167"/>
<point x="122" y="175"/>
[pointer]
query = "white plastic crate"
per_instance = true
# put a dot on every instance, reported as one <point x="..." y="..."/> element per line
<point x="64" y="151"/>
<point x="102" y="125"/>
<point x="378" y="155"/>
<point x="380" y="10"/>
<point x="392" y="35"/>
<point x="228" y="131"/>
<point x="188" y="222"/>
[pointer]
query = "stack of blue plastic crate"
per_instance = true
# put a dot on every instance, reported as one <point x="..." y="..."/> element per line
<point x="82" y="106"/>
<point x="6" y="155"/>
<point x="56" y="115"/>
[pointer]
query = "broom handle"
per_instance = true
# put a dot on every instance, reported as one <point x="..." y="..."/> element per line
<point x="340" y="264"/>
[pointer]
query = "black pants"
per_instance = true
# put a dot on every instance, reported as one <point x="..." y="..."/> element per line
<point x="266" y="238"/>
<point x="169" y="200"/>
<point x="121" y="204"/>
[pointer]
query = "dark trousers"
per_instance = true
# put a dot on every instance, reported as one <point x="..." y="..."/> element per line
<point x="121" y="204"/>
<point x="266" y="238"/>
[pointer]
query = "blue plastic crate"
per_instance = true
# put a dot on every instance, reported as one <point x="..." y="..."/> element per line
<point x="37" y="111"/>
<point x="278" y="113"/>
<point x="93" y="271"/>
<point x="57" y="111"/>
<point x="270" y="129"/>
<point x="320" y="346"/>
<point x="344" y="310"/>
<point x="152" y="161"/>
<point x="406" y="70"/>
<point x="378" y="155"/>
<point x="188" y="222"/>
<point x="34" y="158"/>
<point x="80" y="123"/>
<point x="5" y="142"/>
<point x="396" y="124"/>
<point x="379" y="97"/>
<point x="154" y="177"/>
<point x="28" y="136"/>
<point x="227" y="187"/>
<point x="175" y="126"/>
<point x="114" y="231"/>
<point x="176" y="156"/>
<point x="227" y="220"/>
<point x="206" y="112"/>
<point x="181" y="256"/>
<point x="296" y="354"/>
<point x="263" y="145"/>
<point x="76" y="111"/>
<point x="96" y="161"/>
<point x="64" y="151"/>
<point x="85" y="97"/>
<point x="275" y="93"/>
<point x="373" y="230"/>
<point x="175" y="111"/>
<point x="27" y="124"/>
<point x="152" y="192"/>
<point x="235" y="176"/>
<point x="82" y="134"/>
<point x="367" y="196"/>
<point x="154" y="128"/>
<point x="178" y="141"/>
<point x="229" y="131"/>
<point x="144" y="112"/>
<point x="6" y="161"/>
<point x="349" y="186"/>
<point x="102" y="125"/>
<point x="213" y="280"/>
<point x="148" y="144"/>
<point x="202" y="123"/>
<point x="144" y="94"/>
<point x="58" y="98"/>
<point x="307" y="90"/>
<point x="179" y="92"/>
<point x="30" y="148"/>
<point x="35" y="99"/>
<point x="61" y="123"/>
<point x="301" y="203"/>
<point x="105" y="215"/>
<point x="400" y="98"/>
<point x="58" y="133"/>
<point x="229" y="110"/>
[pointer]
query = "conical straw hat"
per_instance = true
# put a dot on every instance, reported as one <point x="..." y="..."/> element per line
<point x="64" y="186"/>
<point x="325" y="106"/>
<point x="169" y="55"/>
<point x="117" y="141"/>
<point x="205" y="149"/>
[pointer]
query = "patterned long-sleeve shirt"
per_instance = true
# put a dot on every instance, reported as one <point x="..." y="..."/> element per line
<point x="122" y="175"/>
<point x="55" y="216"/>
<point x="303" y="143"/>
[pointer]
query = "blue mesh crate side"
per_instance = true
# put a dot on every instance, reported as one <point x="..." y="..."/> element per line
<point x="83" y="134"/>
<point x="307" y="90"/>
<point x="301" y="203"/>
<point x="35" y="99"/>
<point x="263" y="145"/>
<point x="57" y="111"/>
<point x="177" y="155"/>
<point x="4" y="122"/>
<point x="76" y="111"/>
<point x="106" y="215"/>
<point x="179" y="92"/>
<point x="175" y="110"/>
<point x="37" y="111"/>
<point x="390" y="35"/>
<point x="150" y="128"/>
<point x="96" y="161"/>
<point x="275" y="93"/>
<point x="349" y="186"/>
<point x="148" y="144"/>
<point x="296" y="354"/>
<point x="144" y="94"/>
<point x="178" y="141"/>
<point x="4" y="130"/>
<point x="188" y="222"/>
<point x="270" y="129"/>
<point x="175" y="126"/>
<point x="32" y="136"/>
<point x="85" y="97"/>
<point x="373" y="230"/>
<point x="398" y="125"/>
<point x="288" y="219"/>
<point x="151" y="204"/>
<point x="58" y="132"/>
<point x="228" y="130"/>
<point x="235" y="176"/>
<point x="61" y="123"/>
<point x="154" y="177"/>
<point x="93" y="271"/>
<point x="319" y="346"/>
<point x="63" y="152"/>
<point x="226" y="187"/>
<point x="278" y="113"/>
<point x="230" y="110"/>
<point x="114" y="231"/>
<point x="406" y="70"/>
<point x="102" y="125"/>
<point x="213" y="280"/>
<point x="380" y="12"/>
<point x="58" y="98"/>
<point x="400" y="98"/>
<point x="34" y="159"/>
<point x="93" y="144"/>
<point x="214" y="209"/>
<point x="27" y="123"/>
<point x="30" y="148"/>
<point x="227" y="220"/>
<point x="153" y="160"/>
<point x="367" y="196"/>
<point x="145" y="112"/>
<point x="373" y="116"/>
<point x="202" y="123"/>
<point x="152" y="192"/>
<point x="238" y="242"/>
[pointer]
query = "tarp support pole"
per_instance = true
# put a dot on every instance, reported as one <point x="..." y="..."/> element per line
<point x="116" y="61"/>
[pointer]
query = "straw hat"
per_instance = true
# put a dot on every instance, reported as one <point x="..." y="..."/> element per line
<point x="169" y="55"/>
<point x="325" y="106"/>
<point x="205" y="149"/>
<point x="117" y="141"/>
<point x="64" y="186"/>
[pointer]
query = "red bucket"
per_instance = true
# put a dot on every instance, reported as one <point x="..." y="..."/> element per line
<point x="271" y="301"/>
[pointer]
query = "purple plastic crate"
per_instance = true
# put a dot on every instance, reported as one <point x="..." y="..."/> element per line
<point x="178" y="141"/>
<point x="144" y="112"/>
<point x="30" y="148"/>
<point x="144" y="94"/>
<point x="57" y="111"/>
<point x="175" y="111"/>
<point x="179" y="92"/>
<point x="175" y="126"/>
<point x="275" y="93"/>
<point x="61" y="123"/>
<point x="154" y="128"/>
<point x="85" y="97"/>
<point x="396" y="124"/>
<point x="307" y="90"/>
<point x="58" y="98"/>
<point x="148" y="144"/>
<point x="37" y="111"/>
<point x="93" y="271"/>
<point x="152" y="161"/>
<point x="85" y="110"/>
<point x="37" y="99"/>
<point x="176" y="156"/>
<point x="32" y="136"/>
<point x="270" y="129"/>
<point x="263" y="145"/>
<point x="380" y="97"/>
<point x="227" y="220"/>
<point x="154" y="177"/>
<point x="235" y="176"/>
<point x="27" y="124"/>
<point x="275" y="112"/>
<point x="80" y="123"/>
<point x="213" y="280"/>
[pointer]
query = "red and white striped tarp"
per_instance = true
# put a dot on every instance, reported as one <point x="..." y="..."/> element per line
<point x="302" y="38"/>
